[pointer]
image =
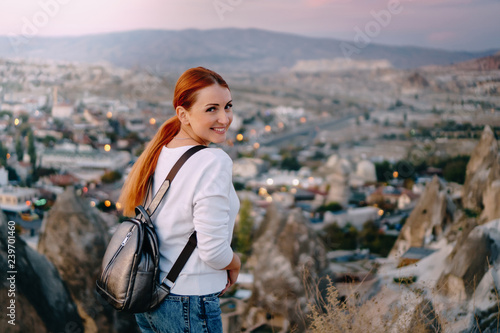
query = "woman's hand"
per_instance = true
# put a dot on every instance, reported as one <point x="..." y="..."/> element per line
<point x="233" y="270"/>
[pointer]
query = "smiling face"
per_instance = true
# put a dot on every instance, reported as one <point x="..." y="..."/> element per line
<point x="209" y="117"/>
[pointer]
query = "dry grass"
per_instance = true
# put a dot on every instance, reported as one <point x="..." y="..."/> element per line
<point x="399" y="307"/>
<point x="409" y="313"/>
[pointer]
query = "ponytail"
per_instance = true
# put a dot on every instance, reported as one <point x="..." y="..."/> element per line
<point x="135" y="187"/>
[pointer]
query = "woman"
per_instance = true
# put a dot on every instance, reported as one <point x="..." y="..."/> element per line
<point x="201" y="198"/>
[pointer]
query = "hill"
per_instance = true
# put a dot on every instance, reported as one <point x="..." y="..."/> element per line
<point x="227" y="49"/>
<point x="488" y="63"/>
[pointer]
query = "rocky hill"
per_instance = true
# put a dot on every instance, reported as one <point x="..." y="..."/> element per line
<point x="489" y="63"/>
<point x="225" y="50"/>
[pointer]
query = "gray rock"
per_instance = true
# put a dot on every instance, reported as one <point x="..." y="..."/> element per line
<point x="491" y="195"/>
<point x="427" y="221"/>
<point x="483" y="160"/>
<point x="287" y="255"/>
<point x="469" y="261"/>
<point x="42" y="300"/>
<point x="338" y="172"/>
<point x="74" y="237"/>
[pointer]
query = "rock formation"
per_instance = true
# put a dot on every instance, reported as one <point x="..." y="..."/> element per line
<point x="339" y="170"/>
<point x="42" y="300"/>
<point x="471" y="275"/>
<point x="285" y="253"/>
<point x="74" y="237"/>
<point x="481" y="175"/>
<point x="468" y="262"/>
<point x="427" y="221"/>
<point x="489" y="63"/>
<point x="365" y="170"/>
<point x="415" y="81"/>
<point x="491" y="196"/>
<point x="477" y="247"/>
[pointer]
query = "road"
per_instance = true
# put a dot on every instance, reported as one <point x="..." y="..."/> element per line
<point x="309" y="129"/>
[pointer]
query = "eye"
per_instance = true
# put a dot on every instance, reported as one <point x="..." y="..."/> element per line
<point x="212" y="109"/>
<point x="229" y="106"/>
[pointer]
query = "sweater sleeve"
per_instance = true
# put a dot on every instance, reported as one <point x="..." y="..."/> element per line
<point x="211" y="210"/>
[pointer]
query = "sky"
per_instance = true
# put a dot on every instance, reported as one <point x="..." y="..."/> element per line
<point x="469" y="25"/>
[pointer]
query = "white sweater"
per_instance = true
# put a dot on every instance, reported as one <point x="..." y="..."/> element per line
<point x="202" y="198"/>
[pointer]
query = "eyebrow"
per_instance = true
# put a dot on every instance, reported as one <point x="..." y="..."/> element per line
<point x="217" y="104"/>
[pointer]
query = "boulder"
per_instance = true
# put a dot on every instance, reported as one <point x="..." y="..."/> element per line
<point x="74" y="237"/>
<point x="287" y="255"/>
<point x="42" y="300"/>
<point x="427" y="221"/>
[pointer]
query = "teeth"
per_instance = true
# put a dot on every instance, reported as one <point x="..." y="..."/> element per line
<point x="219" y="130"/>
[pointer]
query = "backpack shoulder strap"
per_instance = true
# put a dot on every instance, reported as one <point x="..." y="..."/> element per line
<point x="170" y="177"/>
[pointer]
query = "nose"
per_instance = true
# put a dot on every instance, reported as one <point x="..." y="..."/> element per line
<point x="223" y="118"/>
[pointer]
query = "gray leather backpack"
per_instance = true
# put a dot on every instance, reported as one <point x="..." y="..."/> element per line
<point x="129" y="276"/>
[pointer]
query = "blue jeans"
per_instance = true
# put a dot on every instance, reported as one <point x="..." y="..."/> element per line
<point x="183" y="314"/>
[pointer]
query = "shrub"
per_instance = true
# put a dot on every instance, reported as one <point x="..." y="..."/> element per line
<point x="111" y="177"/>
<point x="330" y="207"/>
<point x="371" y="238"/>
<point x="471" y="212"/>
<point x="337" y="238"/>
<point x="243" y="233"/>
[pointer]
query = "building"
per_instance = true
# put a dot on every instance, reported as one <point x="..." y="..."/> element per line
<point x="4" y="177"/>
<point x="62" y="110"/>
<point x="16" y="199"/>
<point x="247" y="168"/>
<point x="401" y="198"/>
<point x="135" y="123"/>
<point x="356" y="217"/>
<point x="71" y="160"/>
<point x="14" y="107"/>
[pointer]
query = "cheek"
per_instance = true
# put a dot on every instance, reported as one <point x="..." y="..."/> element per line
<point x="204" y="122"/>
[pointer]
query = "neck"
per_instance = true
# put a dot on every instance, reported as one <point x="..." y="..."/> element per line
<point x="184" y="138"/>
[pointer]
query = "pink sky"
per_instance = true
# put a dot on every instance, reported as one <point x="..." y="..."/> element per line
<point x="448" y="24"/>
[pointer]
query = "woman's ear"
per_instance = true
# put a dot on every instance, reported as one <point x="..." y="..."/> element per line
<point x="182" y="114"/>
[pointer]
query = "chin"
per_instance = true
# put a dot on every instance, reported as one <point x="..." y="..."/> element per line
<point x="219" y="140"/>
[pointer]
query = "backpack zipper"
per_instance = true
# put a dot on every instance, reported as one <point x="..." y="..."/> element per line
<point x="108" y="266"/>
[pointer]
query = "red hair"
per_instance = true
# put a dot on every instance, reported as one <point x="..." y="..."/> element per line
<point x="185" y="94"/>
